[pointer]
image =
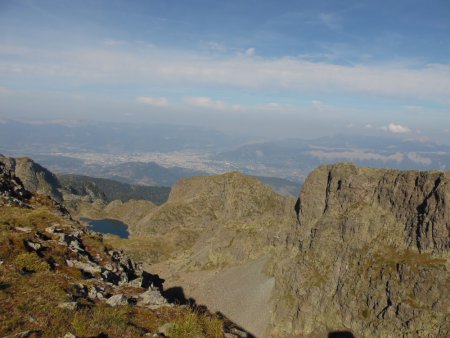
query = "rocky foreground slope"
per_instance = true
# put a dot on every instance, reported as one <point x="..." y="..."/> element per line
<point x="57" y="278"/>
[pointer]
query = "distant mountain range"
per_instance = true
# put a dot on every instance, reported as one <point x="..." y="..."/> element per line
<point x="110" y="190"/>
<point x="138" y="179"/>
<point x="296" y="158"/>
<point x="162" y="154"/>
<point x="108" y="137"/>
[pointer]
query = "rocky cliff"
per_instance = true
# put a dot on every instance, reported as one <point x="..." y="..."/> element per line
<point x="368" y="254"/>
<point x="34" y="177"/>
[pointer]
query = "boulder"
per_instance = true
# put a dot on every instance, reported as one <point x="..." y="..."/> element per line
<point x="89" y="267"/>
<point x="151" y="299"/>
<point x="118" y="300"/>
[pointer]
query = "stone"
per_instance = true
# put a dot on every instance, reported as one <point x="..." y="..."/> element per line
<point x="33" y="245"/>
<point x="26" y="230"/>
<point x="70" y="335"/>
<point x="151" y="299"/>
<point x="96" y="292"/>
<point x="110" y="277"/>
<point x="117" y="300"/>
<point x="136" y="282"/>
<point x="68" y="305"/>
<point x="53" y="230"/>
<point x="73" y="242"/>
<point x="89" y="267"/>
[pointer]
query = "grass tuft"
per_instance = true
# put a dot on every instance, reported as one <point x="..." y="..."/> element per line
<point x="31" y="262"/>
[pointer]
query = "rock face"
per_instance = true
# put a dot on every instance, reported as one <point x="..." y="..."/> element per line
<point x="12" y="191"/>
<point x="369" y="254"/>
<point x="35" y="178"/>
<point x="221" y="220"/>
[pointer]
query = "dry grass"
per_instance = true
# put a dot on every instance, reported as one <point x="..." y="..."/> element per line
<point x="194" y="324"/>
<point x="30" y="290"/>
<point x="38" y="218"/>
<point x="31" y="262"/>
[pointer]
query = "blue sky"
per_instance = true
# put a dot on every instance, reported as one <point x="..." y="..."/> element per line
<point x="268" y="68"/>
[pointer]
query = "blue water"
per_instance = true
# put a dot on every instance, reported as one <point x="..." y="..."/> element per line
<point x="108" y="226"/>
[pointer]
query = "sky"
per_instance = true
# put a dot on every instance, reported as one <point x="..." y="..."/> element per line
<point x="264" y="68"/>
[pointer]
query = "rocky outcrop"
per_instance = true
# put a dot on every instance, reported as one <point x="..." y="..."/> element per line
<point x="34" y="177"/>
<point x="12" y="191"/>
<point x="369" y="254"/>
<point x="220" y="220"/>
<point x="108" y="269"/>
<point x="418" y="204"/>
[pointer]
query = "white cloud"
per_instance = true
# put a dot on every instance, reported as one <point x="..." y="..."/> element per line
<point x="153" y="101"/>
<point x="330" y="20"/>
<point x="216" y="46"/>
<point x="113" y="42"/>
<point x="157" y="66"/>
<point x="317" y="104"/>
<point x="413" y="108"/>
<point x="205" y="102"/>
<point x="250" y="52"/>
<point x="419" y="159"/>
<point x="396" y="128"/>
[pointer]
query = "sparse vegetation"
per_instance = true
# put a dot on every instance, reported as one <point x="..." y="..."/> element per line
<point x="30" y="262"/>
<point x="195" y="325"/>
<point x="31" y="288"/>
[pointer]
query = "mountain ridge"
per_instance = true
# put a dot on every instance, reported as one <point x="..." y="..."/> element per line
<point x="363" y="250"/>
